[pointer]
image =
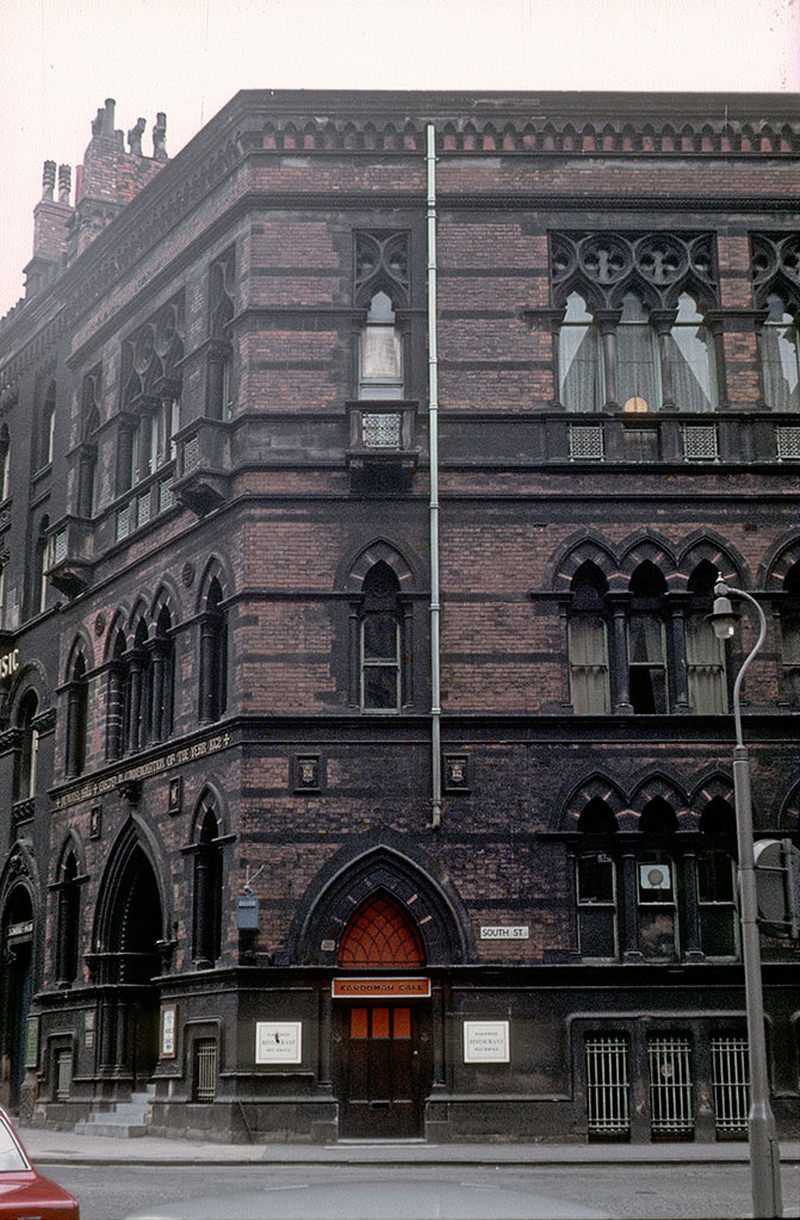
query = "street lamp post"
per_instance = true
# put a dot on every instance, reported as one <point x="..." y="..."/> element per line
<point x="763" y="1140"/>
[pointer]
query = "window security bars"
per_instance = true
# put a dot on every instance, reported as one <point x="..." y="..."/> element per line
<point x="787" y="439"/>
<point x="586" y="442"/>
<point x="608" y="1085"/>
<point x="205" y="1069"/>
<point x="380" y="430"/>
<point x="63" y="1074"/>
<point x="671" y="1109"/>
<point x="700" y="442"/>
<point x="730" y="1076"/>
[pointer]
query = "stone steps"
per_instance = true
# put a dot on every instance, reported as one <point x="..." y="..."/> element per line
<point x="122" y="1120"/>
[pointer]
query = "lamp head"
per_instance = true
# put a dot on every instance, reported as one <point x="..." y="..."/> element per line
<point x="723" y="619"/>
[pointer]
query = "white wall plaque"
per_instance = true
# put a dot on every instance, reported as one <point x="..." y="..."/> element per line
<point x="505" y="931"/>
<point x="486" y="1042"/>
<point x="279" y="1041"/>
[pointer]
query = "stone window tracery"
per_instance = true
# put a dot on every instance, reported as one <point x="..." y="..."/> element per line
<point x="634" y="334"/>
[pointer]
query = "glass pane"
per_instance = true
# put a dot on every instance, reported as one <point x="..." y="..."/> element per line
<point x="596" y="931"/>
<point x="402" y="1023"/>
<point x="380" y="1022"/>
<point x="11" y="1159"/>
<point x="645" y="638"/>
<point x="380" y="636"/>
<point x="718" y="931"/>
<point x="715" y="877"/>
<point x="595" y="879"/>
<point x="657" y="932"/>
<point x="380" y="686"/>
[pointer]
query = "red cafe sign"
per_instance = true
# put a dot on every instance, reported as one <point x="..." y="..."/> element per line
<point x="380" y="988"/>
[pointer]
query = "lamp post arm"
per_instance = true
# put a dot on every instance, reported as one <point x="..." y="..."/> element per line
<point x="737" y="686"/>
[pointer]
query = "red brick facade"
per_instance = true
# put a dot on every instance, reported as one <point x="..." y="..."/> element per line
<point x="230" y="663"/>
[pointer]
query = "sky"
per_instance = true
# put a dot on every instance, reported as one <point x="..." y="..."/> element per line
<point x="62" y="58"/>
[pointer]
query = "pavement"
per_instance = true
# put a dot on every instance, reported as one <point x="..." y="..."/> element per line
<point x="46" y="1147"/>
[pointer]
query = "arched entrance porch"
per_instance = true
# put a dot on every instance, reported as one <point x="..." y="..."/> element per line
<point x="126" y="960"/>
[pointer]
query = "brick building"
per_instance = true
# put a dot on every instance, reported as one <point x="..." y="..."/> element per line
<point x="366" y="752"/>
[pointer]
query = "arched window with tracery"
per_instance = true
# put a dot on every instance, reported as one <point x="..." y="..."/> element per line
<point x="647" y="654"/>
<point x="692" y="364"/>
<point x="162" y="687"/>
<point x="77" y="716"/>
<point x="780" y="356"/>
<point x="27" y="760"/>
<point x="657" y="883"/>
<point x="588" y="642"/>
<point x="213" y="655"/>
<point x="381" y="622"/>
<point x="207" y="924"/>
<point x="68" y="926"/>
<point x="381" y="934"/>
<point x="705" y="654"/>
<point x="380" y="360"/>
<point x="5" y="462"/>
<point x="580" y="368"/>
<point x="716" y="881"/>
<point x="596" y="882"/>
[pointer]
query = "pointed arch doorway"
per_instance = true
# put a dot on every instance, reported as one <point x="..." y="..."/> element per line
<point x="382" y="1068"/>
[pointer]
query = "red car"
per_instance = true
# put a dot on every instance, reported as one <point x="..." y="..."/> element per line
<point x="24" y="1192"/>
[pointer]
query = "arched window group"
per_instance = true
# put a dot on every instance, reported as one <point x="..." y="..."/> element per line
<point x="142" y="681"/>
<point x="141" y="685"/>
<point x="641" y="649"/>
<point x="648" y="893"/>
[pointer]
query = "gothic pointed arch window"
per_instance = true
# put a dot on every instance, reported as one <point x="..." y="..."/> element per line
<point x="41" y="560"/>
<point x="90" y="426"/>
<point x="47" y="424"/>
<point x="77" y="716"/>
<point x="716" y="881"/>
<point x="138" y="675"/>
<point x="381" y="934"/>
<point x="381" y="623"/>
<point x="692" y="366"/>
<point x="588" y="642"/>
<point x="162" y="681"/>
<point x="68" y="927"/>
<point x="780" y="356"/>
<point x="596" y="882"/>
<point x="221" y="309"/>
<point x="656" y="883"/>
<point x="27" y="761"/>
<point x="580" y="366"/>
<point x="207" y="923"/>
<point x="116" y="696"/>
<point x="380" y="358"/>
<point x="647" y="656"/>
<point x="213" y="655"/>
<point x="705" y="654"/>
<point x="5" y="462"/>
<point x="790" y="635"/>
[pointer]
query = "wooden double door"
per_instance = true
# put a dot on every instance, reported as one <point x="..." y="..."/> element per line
<point x="382" y="1068"/>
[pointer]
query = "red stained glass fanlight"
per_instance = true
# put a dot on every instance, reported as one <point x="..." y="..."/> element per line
<point x="381" y="934"/>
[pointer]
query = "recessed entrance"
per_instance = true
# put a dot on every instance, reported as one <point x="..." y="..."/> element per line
<point x="382" y="1038"/>
<point x="384" y="1070"/>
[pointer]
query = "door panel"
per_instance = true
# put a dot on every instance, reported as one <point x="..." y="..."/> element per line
<point x="382" y="1070"/>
